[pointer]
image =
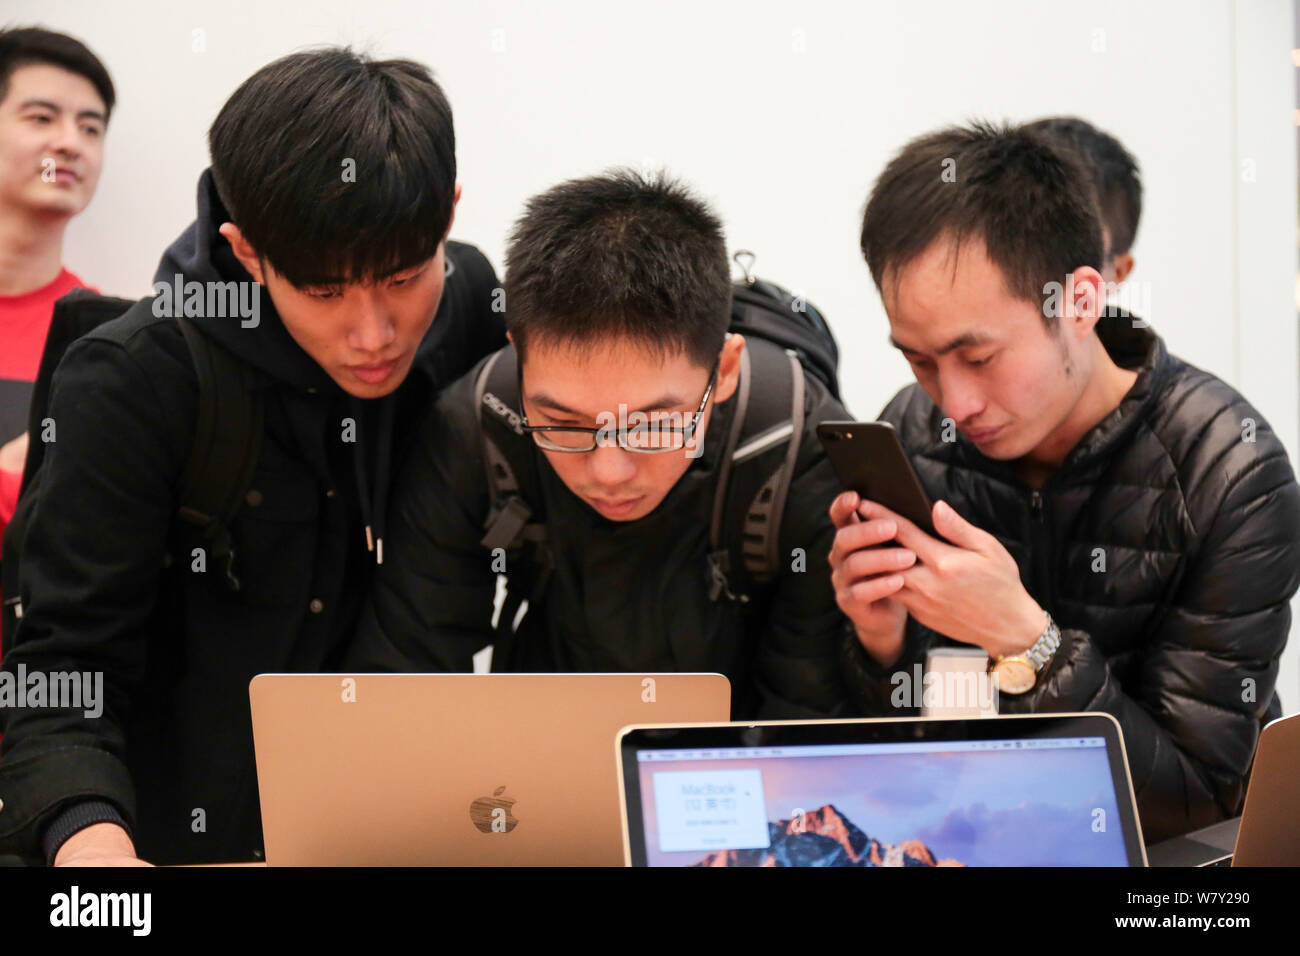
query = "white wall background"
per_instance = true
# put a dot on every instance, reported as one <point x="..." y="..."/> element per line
<point x="782" y="114"/>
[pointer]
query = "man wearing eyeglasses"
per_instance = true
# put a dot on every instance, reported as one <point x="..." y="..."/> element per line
<point x="618" y="298"/>
<point x="663" y="429"/>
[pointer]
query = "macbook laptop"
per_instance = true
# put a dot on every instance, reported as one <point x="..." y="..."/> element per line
<point x="1041" y="790"/>
<point x="1268" y="831"/>
<point x="455" y="769"/>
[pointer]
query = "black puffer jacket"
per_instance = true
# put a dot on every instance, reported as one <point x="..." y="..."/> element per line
<point x="1167" y="547"/>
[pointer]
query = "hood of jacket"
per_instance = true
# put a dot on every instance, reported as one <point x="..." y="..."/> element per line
<point x="202" y="255"/>
<point x="201" y="259"/>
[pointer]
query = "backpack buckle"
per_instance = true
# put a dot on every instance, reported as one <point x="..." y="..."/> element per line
<point x="216" y="542"/>
<point x="232" y="580"/>
<point x="223" y="550"/>
<point x="718" y="564"/>
<point x="746" y="259"/>
<point x="506" y="523"/>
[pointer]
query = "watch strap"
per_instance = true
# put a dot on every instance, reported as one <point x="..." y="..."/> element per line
<point x="1045" y="647"/>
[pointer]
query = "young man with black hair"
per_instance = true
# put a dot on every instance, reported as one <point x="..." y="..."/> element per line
<point x="626" y="382"/>
<point x="1119" y="530"/>
<point x="321" y="238"/>
<point x="1119" y="188"/>
<point x="55" y="100"/>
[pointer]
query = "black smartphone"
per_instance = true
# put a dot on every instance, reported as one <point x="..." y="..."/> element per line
<point x="868" y="458"/>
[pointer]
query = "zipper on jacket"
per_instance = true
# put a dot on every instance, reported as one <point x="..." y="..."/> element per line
<point x="1040" y="548"/>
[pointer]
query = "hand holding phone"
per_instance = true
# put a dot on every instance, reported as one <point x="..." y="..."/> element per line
<point x="866" y="563"/>
<point x="868" y="458"/>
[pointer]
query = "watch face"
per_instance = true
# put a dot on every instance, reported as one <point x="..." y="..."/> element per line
<point x="1014" y="676"/>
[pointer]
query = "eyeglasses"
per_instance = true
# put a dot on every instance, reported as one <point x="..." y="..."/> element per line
<point x="637" y="432"/>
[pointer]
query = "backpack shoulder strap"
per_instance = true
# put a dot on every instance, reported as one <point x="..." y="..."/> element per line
<point x="756" y="472"/>
<point x="75" y="314"/>
<point x="513" y="524"/>
<point x="722" y="559"/>
<point x="227" y="440"/>
<point x="496" y="397"/>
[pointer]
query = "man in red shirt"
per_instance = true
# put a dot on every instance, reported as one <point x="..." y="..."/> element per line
<point x="55" y="100"/>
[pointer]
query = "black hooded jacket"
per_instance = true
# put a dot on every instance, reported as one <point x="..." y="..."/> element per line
<point x="106" y="591"/>
<point x="1167" y="548"/>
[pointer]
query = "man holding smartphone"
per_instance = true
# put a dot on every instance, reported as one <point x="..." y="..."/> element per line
<point x="1119" y="530"/>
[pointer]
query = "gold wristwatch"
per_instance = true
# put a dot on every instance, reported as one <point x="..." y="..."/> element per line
<point x="1018" y="673"/>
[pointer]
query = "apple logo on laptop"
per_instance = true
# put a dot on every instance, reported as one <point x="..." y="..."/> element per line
<point x="492" y="814"/>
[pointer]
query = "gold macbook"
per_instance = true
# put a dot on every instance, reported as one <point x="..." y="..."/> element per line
<point x="455" y="769"/>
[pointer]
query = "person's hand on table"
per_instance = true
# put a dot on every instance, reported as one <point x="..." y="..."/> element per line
<point x="100" y="844"/>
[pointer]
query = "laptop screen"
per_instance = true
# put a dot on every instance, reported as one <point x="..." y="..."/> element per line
<point x="1018" y="800"/>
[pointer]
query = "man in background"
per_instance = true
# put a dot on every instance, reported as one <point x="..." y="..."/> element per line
<point x="1119" y="188"/>
<point x="55" y="100"/>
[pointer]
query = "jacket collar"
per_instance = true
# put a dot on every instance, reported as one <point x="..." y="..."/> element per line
<point x="1131" y="344"/>
<point x="202" y="255"/>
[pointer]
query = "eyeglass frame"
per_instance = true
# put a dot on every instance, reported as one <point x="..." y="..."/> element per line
<point x="687" y="432"/>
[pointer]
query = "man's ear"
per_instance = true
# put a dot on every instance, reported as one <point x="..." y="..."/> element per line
<point x="729" y="367"/>
<point x="245" y="253"/>
<point x="1088" y="299"/>
<point x="1123" y="266"/>
<point x="455" y="200"/>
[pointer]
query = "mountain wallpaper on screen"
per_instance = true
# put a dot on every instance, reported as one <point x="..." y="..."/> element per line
<point x="825" y="837"/>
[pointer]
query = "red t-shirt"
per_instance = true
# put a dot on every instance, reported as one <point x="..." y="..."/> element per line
<point x="24" y="324"/>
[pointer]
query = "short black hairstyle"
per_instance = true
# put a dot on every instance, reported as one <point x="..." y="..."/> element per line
<point x="1030" y="200"/>
<point x="1116" y="172"/>
<point x="335" y="167"/>
<point x="619" y="255"/>
<point x="26" y="46"/>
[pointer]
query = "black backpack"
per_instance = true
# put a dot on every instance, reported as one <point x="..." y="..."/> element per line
<point x="227" y="438"/>
<point x="786" y="339"/>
